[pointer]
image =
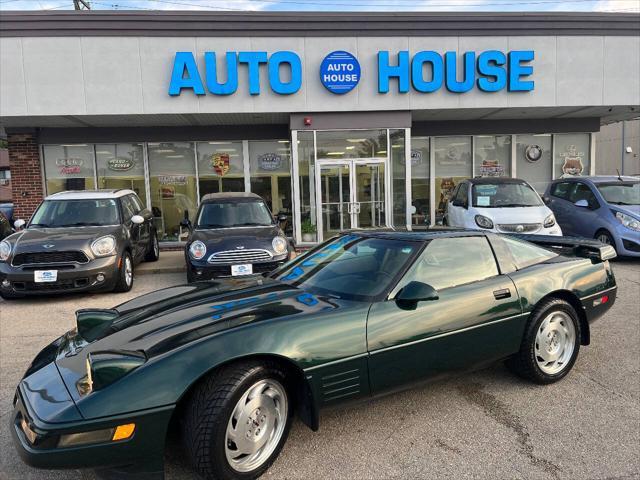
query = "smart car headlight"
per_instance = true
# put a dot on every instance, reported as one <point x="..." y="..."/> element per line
<point x="104" y="368"/>
<point x="5" y="250"/>
<point x="550" y="221"/>
<point x="197" y="250"/>
<point x="104" y="246"/>
<point x="279" y="245"/>
<point x="626" y="220"/>
<point x="483" y="222"/>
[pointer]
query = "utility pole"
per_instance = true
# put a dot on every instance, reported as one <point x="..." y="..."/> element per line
<point x="81" y="5"/>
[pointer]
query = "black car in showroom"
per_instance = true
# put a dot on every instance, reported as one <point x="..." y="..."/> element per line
<point x="234" y="234"/>
<point x="78" y="241"/>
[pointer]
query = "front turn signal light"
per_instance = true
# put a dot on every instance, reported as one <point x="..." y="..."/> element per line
<point x="123" y="432"/>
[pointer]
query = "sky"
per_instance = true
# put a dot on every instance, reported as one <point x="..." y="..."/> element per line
<point x="628" y="6"/>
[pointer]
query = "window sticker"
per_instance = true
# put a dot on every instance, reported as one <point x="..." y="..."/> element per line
<point x="483" y="201"/>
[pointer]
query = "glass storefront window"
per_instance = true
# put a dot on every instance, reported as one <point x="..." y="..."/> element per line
<point x="68" y="167"/>
<point x="172" y="179"/>
<point x="420" y="181"/>
<point x="533" y="160"/>
<point x="121" y="165"/>
<point x="571" y="155"/>
<point x="398" y="177"/>
<point x="492" y="155"/>
<point x="270" y="167"/>
<point x="452" y="165"/>
<point x="345" y="144"/>
<point x="306" y="173"/>
<point x="220" y="167"/>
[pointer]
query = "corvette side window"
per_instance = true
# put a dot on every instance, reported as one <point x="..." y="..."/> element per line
<point x="525" y="254"/>
<point x="447" y="262"/>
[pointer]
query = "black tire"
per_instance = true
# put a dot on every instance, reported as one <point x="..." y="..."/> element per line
<point x="190" y="276"/>
<point x="207" y="414"/>
<point x="606" y="238"/>
<point x="122" y="285"/>
<point x="524" y="363"/>
<point x="153" y="253"/>
<point x="9" y="295"/>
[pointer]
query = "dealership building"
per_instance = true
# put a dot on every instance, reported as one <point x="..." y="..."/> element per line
<point x="340" y="120"/>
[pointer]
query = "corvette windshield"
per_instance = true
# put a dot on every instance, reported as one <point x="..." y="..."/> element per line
<point x="76" y="213"/>
<point x="234" y="214"/>
<point x="504" y="195"/>
<point x="350" y="267"/>
<point x="621" y="193"/>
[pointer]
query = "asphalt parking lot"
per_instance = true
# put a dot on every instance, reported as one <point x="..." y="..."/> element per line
<point x="486" y="424"/>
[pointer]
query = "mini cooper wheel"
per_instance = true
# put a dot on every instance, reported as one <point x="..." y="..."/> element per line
<point x="154" y="249"/>
<point x="125" y="274"/>
<point x="551" y="343"/>
<point x="237" y="421"/>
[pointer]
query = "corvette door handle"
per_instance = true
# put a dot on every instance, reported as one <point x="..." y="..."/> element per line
<point x="502" y="293"/>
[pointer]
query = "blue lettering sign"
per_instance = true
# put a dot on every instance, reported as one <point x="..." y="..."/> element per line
<point x="400" y="71"/>
<point x="417" y="71"/>
<point x="490" y="65"/>
<point x="295" y="66"/>
<point x="231" y="85"/>
<point x="340" y="72"/>
<point x="468" y="72"/>
<point x="517" y="70"/>
<point x="253" y="61"/>
<point x="184" y="63"/>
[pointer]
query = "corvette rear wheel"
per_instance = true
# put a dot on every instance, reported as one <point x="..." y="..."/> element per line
<point x="550" y="345"/>
<point x="237" y="421"/>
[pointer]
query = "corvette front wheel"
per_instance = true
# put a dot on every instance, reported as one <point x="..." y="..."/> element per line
<point x="237" y="421"/>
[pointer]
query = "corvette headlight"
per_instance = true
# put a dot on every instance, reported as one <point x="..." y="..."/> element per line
<point x="483" y="222"/>
<point x="5" y="250"/>
<point x="104" y="246"/>
<point x="279" y="245"/>
<point x="626" y="220"/>
<point x="550" y="221"/>
<point x="197" y="250"/>
<point x="104" y="368"/>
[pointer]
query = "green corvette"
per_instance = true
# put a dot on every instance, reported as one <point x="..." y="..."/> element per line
<point x="229" y="362"/>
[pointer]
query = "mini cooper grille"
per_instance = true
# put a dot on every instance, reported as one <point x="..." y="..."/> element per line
<point x="240" y="256"/>
<point x="48" y="257"/>
<point x="519" y="227"/>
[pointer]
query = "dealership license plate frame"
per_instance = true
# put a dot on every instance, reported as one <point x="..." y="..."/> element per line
<point x="45" y="276"/>
<point x="240" y="270"/>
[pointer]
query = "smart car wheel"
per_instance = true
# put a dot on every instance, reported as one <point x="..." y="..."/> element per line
<point x="154" y="249"/>
<point x="237" y="421"/>
<point x="550" y="345"/>
<point x="125" y="274"/>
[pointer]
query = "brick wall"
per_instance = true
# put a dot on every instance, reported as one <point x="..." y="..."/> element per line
<point x="26" y="177"/>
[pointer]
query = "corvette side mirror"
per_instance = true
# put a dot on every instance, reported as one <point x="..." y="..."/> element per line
<point x="415" y="292"/>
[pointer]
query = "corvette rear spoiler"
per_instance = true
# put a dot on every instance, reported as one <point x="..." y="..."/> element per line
<point x="580" y="247"/>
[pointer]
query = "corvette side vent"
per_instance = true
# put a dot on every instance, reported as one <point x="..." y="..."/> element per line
<point x="341" y="385"/>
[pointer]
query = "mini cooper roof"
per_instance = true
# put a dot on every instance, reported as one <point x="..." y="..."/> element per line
<point x="233" y="196"/>
<point x="89" y="194"/>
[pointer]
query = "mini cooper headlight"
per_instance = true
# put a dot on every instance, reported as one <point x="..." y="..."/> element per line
<point x="550" y="221"/>
<point x="626" y="220"/>
<point x="197" y="250"/>
<point x="279" y="245"/>
<point x="104" y="246"/>
<point x="483" y="222"/>
<point x="5" y="250"/>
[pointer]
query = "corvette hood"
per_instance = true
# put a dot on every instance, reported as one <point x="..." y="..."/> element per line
<point x="167" y="319"/>
<point x="515" y="214"/>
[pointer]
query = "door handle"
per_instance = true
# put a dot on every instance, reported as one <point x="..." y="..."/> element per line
<point x="502" y="293"/>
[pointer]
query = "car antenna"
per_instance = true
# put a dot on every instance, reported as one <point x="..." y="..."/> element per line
<point x="619" y="177"/>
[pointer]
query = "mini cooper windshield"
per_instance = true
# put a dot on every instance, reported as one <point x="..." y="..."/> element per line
<point x="76" y="213"/>
<point x="621" y="193"/>
<point x="504" y="195"/>
<point x="351" y="267"/>
<point x="234" y="214"/>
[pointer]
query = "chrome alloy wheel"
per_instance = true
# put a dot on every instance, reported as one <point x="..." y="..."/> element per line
<point x="555" y="342"/>
<point x="128" y="270"/>
<point x="256" y="425"/>
<point x="604" y="238"/>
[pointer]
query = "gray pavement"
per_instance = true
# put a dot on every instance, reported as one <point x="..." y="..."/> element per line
<point x="486" y="424"/>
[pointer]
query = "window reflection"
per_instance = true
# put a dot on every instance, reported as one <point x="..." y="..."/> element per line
<point x="121" y="166"/>
<point x="492" y="155"/>
<point x="68" y="167"/>
<point x="343" y="144"/>
<point x="420" y="181"/>
<point x="453" y="164"/>
<point x="220" y="167"/>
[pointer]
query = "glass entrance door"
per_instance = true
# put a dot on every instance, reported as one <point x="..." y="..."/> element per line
<point x="350" y="194"/>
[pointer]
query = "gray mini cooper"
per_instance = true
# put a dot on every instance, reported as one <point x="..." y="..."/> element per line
<point x="78" y="241"/>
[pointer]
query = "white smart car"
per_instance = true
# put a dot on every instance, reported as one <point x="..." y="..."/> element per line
<point x="507" y="205"/>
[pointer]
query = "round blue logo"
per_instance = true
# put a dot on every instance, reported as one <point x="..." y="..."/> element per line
<point x="340" y="72"/>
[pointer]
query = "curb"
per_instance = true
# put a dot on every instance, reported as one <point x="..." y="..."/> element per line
<point x="149" y="271"/>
